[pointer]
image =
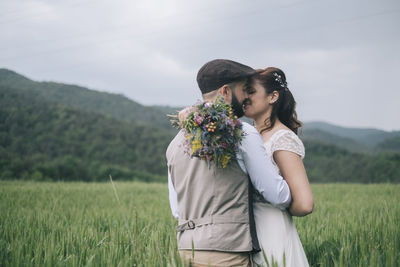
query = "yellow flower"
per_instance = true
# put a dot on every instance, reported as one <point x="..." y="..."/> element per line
<point x="196" y="145"/>
<point x="224" y="161"/>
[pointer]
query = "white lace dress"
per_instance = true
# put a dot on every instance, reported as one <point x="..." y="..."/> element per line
<point x="276" y="230"/>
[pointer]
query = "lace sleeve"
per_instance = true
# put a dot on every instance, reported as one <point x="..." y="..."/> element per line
<point x="289" y="141"/>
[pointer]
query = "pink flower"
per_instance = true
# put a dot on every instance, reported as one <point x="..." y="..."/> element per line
<point x="198" y="119"/>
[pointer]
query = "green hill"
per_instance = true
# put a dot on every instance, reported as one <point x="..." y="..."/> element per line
<point x="390" y="144"/>
<point x="317" y="135"/>
<point x="43" y="140"/>
<point x="329" y="163"/>
<point x="53" y="131"/>
<point x="107" y="104"/>
<point x="368" y="136"/>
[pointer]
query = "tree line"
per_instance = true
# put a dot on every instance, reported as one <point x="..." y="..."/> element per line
<point x="48" y="140"/>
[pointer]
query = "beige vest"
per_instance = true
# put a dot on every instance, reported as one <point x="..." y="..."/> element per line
<point x="213" y="203"/>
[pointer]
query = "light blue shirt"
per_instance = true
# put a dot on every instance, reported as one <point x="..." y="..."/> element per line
<point x="254" y="161"/>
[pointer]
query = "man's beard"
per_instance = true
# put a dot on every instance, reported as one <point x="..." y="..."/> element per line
<point x="236" y="106"/>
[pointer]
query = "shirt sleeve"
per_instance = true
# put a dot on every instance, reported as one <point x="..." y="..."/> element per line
<point x="264" y="177"/>
<point x="173" y="198"/>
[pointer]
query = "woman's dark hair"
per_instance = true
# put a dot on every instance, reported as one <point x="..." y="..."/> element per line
<point x="274" y="79"/>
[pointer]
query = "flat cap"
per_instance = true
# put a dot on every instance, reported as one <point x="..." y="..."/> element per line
<point x="218" y="72"/>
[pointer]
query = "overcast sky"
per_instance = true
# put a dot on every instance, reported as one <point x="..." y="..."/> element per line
<point x="341" y="58"/>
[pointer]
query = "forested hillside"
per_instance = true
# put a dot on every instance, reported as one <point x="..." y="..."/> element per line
<point x="309" y="134"/>
<point x="109" y="105"/>
<point x="329" y="163"/>
<point x="368" y="137"/>
<point x="390" y="144"/>
<point x="48" y="141"/>
<point x="53" y="131"/>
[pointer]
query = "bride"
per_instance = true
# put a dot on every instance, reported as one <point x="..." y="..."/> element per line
<point x="272" y="107"/>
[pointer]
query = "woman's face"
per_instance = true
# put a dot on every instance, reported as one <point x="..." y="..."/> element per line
<point x="258" y="102"/>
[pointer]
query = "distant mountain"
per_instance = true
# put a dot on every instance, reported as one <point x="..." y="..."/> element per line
<point x="330" y="163"/>
<point x="45" y="140"/>
<point x="368" y="137"/>
<point x="315" y="134"/>
<point x="390" y="144"/>
<point x="351" y="139"/>
<point x="110" y="105"/>
<point x="54" y="131"/>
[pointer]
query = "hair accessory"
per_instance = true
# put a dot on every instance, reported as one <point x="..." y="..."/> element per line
<point x="278" y="78"/>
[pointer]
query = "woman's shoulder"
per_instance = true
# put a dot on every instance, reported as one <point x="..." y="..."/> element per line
<point x="286" y="139"/>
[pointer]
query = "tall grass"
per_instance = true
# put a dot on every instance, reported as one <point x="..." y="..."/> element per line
<point x="353" y="225"/>
<point x="82" y="224"/>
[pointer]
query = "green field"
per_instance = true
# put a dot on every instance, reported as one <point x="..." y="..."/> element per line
<point x="82" y="224"/>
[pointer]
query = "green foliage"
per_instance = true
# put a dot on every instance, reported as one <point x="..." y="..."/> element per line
<point x="110" y="105"/>
<point x="317" y="135"/>
<point x="47" y="141"/>
<point x="81" y="224"/>
<point x="367" y="137"/>
<point x="352" y="225"/>
<point x="390" y="144"/>
<point x="328" y="163"/>
<point x="51" y="131"/>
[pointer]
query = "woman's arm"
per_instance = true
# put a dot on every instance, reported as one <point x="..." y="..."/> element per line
<point x="292" y="169"/>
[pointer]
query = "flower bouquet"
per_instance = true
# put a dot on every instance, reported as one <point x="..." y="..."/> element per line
<point x="212" y="132"/>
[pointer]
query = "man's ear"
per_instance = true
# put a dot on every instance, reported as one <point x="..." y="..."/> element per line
<point x="224" y="91"/>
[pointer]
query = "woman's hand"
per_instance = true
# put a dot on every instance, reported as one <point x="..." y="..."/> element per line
<point x="292" y="169"/>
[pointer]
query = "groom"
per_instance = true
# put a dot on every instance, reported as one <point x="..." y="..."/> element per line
<point x="213" y="205"/>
